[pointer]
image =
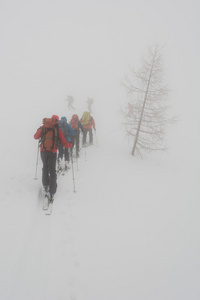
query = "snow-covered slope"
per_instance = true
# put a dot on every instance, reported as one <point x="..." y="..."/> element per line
<point x="131" y="230"/>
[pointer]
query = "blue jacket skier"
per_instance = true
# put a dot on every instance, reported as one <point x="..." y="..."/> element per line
<point x="68" y="133"/>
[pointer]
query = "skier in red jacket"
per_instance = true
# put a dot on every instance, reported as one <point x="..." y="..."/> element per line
<point x="49" y="137"/>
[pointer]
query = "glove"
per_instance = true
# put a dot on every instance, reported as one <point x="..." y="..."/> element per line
<point x="69" y="145"/>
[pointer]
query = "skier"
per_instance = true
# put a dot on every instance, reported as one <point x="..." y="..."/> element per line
<point x="50" y="134"/>
<point x="88" y="123"/>
<point x="68" y="134"/>
<point x="90" y="101"/>
<point x="70" y="100"/>
<point x="76" y="126"/>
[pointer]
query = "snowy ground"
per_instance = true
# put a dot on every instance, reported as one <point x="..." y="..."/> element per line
<point x="131" y="230"/>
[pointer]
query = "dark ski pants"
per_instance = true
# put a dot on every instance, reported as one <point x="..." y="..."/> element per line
<point x="90" y="136"/>
<point x="49" y="176"/>
<point x="75" y="142"/>
<point x="63" y="151"/>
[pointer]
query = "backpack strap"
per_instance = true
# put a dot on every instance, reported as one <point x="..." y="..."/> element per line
<point x="43" y="133"/>
<point x="55" y="137"/>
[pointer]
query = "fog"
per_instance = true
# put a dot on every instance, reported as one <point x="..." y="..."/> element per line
<point x="51" y="49"/>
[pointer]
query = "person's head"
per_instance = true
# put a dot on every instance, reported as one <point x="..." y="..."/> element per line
<point x="75" y="117"/>
<point x="63" y="119"/>
<point x="55" y="117"/>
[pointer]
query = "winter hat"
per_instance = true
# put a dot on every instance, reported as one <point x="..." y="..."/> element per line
<point x="55" y="117"/>
<point x="64" y="119"/>
<point x="75" y="117"/>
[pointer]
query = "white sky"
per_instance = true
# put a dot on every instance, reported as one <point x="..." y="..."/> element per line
<point x="51" y="49"/>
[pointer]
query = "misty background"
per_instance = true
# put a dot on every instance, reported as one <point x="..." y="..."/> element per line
<point x="51" y="49"/>
<point x="135" y="231"/>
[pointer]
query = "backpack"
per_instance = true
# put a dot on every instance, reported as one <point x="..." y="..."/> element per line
<point x="74" y="122"/>
<point x="49" y="136"/>
<point x="64" y="129"/>
<point x="85" y="118"/>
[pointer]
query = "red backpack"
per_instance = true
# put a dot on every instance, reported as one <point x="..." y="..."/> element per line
<point x="49" y="136"/>
<point x="74" y="122"/>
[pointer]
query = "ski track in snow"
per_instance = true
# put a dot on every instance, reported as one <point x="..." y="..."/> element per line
<point x="111" y="232"/>
<point x="40" y="262"/>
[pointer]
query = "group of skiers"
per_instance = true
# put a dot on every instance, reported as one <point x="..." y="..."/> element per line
<point x="59" y="136"/>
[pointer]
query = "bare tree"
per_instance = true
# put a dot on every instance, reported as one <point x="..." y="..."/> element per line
<point x="146" y="120"/>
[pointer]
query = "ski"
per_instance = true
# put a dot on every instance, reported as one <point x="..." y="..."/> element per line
<point x="45" y="202"/>
<point x="50" y="205"/>
<point x="46" y="198"/>
<point x="49" y="210"/>
<point x="62" y="172"/>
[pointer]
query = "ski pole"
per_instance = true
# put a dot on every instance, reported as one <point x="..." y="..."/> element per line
<point x="96" y="138"/>
<point x="73" y="173"/>
<point x="85" y="154"/>
<point x="35" y="178"/>
<point x="77" y="163"/>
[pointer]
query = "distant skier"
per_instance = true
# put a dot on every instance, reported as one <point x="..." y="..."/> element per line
<point x="90" y="101"/>
<point x="50" y="134"/>
<point x="88" y="123"/>
<point x="70" y="100"/>
<point x="76" y="126"/>
<point x="68" y="134"/>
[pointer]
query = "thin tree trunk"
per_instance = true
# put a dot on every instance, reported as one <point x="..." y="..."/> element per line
<point x="143" y="107"/>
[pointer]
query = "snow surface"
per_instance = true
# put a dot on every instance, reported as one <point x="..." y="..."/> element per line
<point x="130" y="231"/>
